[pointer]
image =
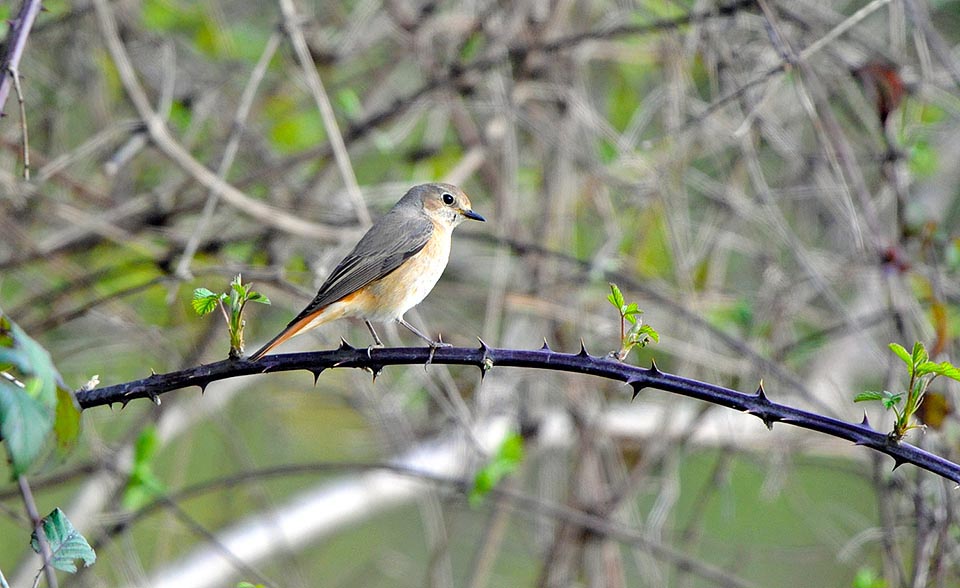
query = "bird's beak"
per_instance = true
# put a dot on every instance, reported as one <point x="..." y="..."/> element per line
<point x="474" y="215"/>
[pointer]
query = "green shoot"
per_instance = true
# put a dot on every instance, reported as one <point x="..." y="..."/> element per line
<point x="505" y="462"/>
<point x="904" y="406"/>
<point x="231" y="306"/>
<point x="638" y="334"/>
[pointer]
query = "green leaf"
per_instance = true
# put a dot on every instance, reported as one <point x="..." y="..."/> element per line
<point x="941" y="369"/>
<point x="508" y="458"/>
<point x="66" y="422"/>
<point x="38" y="364"/>
<point x="890" y="400"/>
<point x="902" y="354"/>
<point x="238" y="286"/>
<point x="868" y="396"/>
<point x="24" y="425"/>
<point x="258" y="297"/>
<point x="919" y="354"/>
<point x="615" y="297"/>
<point x="204" y="301"/>
<point x="350" y="103"/>
<point x="143" y="485"/>
<point x="66" y="543"/>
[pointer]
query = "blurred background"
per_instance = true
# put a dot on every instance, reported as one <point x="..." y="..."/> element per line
<point x="773" y="182"/>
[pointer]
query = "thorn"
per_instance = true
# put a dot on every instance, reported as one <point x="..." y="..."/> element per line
<point x="44" y="8"/>
<point x="583" y="349"/>
<point x="637" y="387"/>
<point x="316" y="375"/>
<point x="154" y="397"/>
<point x="767" y="418"/>
<point x="654" y="370"/>
<point x="761" y="395"/>
<point x="203" y="386"/>
<point x="545" y="346"/>
<point x="152" y="373"/>
<point x="433" y="350"/>
<point x="344" y="346"/>
<point x="483" y="346"/>
<point x="865" y="422"/>
<point x="375" y="371"/>
<point x="897" y="462"/>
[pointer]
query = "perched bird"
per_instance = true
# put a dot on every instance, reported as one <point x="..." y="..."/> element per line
<point x="393" y="267"/>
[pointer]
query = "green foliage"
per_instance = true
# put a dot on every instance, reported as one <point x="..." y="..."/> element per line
<point x="639" y="334"/>
<point x="922" y="372"/>
<point x="922" y="159"/>
<point x="292" y="128"/>
<point x="505" y="462"/>
<point x="350" y="104"/>
<point x="868" y="578"/>
<point x="67" y="545"/>
<point x="231" y="305"/>
<point x="33" y="401"/>
<point x="249" y="585"/>
<point x="143" y="484"/>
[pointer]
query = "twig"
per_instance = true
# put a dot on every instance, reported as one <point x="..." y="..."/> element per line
<point x="486" y="357"/>
<point x="229" y="152"/>
<point x="46" y="553"/>
<point x="292" y="28"/>
<point x="15" y="74"/>
<point x="161" y="137"/>
<point x="16" y="42"/>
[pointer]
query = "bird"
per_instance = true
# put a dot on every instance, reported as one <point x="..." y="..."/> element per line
<point x="392" y="268"/>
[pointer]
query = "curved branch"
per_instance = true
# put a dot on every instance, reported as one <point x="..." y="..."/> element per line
<point x="16" y="42"/>
<point x="486" y="358"/>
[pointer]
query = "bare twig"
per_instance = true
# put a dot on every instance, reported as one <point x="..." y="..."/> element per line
<point x="160" y="135"/>
<point x="31" y="505"/>
<point x="293" y="30"/>
<point x="16" y="42"/>
<point x="229" y="152"/>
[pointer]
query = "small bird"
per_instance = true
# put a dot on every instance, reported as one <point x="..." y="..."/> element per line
<point x="392" y="268"/>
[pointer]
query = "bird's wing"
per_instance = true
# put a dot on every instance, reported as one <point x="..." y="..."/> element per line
<point x="387" y="244"/>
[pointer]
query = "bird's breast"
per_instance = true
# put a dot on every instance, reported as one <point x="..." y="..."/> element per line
<point x="409" y="284"/>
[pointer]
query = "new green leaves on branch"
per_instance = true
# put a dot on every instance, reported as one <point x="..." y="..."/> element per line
<point x="231" y="305"/>
<point x="639" y="334"/>
<point x="67" y="545"/>
<point x="922" y="372"/>
<point x="33" y="400"/>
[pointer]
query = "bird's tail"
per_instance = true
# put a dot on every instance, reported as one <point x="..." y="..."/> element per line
<point x="300" y="325"/>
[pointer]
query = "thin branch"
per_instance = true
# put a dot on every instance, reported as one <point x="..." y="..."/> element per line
<point x="486" y="358"/>
<point x="292" y="27"/>
<point x="31" y="505"/>
<point x="16" y="42"/>
<point x="229" y="152"/>
<point x="160" y="135"/>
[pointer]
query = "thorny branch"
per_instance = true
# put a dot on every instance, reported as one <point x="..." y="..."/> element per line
<point x="486" y="358"/>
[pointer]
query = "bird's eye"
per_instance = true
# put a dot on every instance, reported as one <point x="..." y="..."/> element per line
<point x="447" y="198"/>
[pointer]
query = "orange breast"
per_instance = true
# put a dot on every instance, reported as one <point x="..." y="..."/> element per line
<point x="388" y="298"/>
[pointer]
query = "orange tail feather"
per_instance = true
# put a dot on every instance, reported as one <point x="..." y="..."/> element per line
<point x="295" y="328"/>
